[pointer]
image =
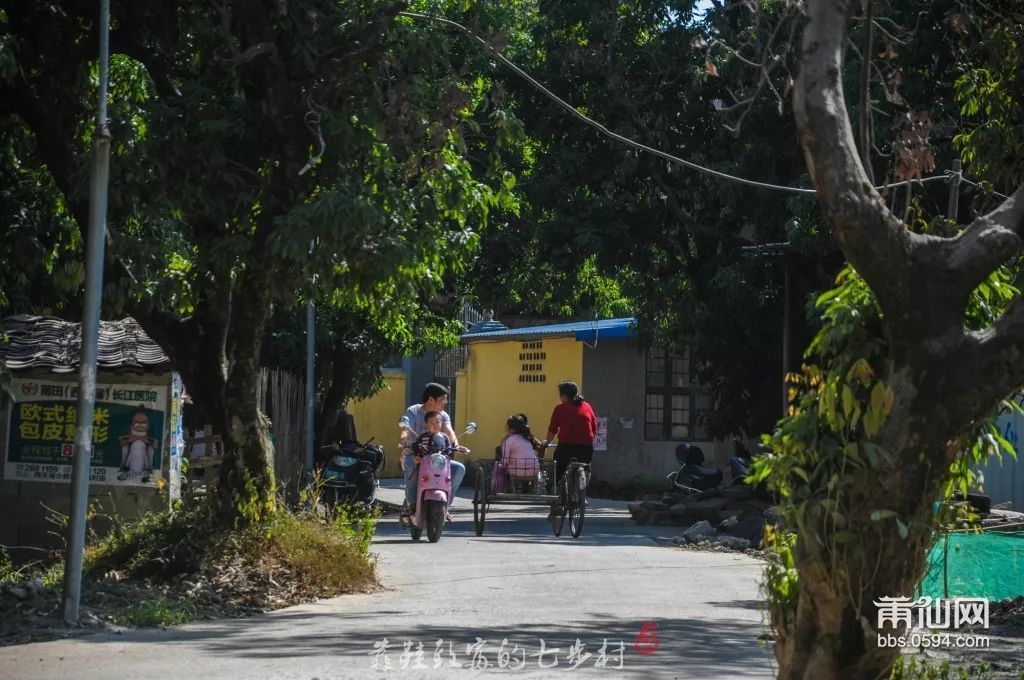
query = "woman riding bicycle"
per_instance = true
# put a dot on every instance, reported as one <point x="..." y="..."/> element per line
<point x="574" y="424"/>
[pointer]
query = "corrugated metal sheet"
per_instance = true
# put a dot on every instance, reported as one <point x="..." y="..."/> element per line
<point x="48" y="342"/>
<point x="1004" y="481"/>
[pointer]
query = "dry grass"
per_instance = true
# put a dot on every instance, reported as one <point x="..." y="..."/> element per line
<point x="168" y="569"/>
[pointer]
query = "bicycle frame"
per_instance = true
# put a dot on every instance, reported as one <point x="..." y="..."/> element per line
<point x="573" y="494"/>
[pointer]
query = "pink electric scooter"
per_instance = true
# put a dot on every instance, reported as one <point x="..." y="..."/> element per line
<point x="434" y="489"/>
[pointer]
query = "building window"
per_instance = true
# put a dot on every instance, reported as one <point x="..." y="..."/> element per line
<point x="675" y="407"/>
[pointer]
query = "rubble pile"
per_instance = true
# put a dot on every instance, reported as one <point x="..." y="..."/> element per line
<point x="1008" y="613"/>
<point x="731" y="517"/>
<point x="30" y="611"/>
<point x="998" y="518"/>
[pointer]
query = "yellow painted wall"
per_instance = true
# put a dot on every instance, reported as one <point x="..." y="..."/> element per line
<point x="378" y="416"/>
<point x="489" y="391"/>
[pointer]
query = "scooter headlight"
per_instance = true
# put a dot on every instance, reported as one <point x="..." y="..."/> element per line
<point x="344" y="461"/>
<point x="437" y="461"/>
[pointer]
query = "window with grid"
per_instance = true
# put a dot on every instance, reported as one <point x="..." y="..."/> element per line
<point x="675" y="408"/>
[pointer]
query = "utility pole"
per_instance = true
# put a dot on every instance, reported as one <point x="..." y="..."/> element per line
<point x="310" y="375"/>
<point x="954" y="191"/>
<point x="785" y="335"/>
<point x="310" y="384"/>
<point x="90" y="334"/>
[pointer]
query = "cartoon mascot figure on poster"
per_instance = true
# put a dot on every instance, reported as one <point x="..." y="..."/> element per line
<point x="137" y="448"/>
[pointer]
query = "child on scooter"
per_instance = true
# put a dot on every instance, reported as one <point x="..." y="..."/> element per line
<point x="423" y="446"/>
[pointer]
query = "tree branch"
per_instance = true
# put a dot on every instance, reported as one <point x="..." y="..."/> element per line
<point x="250" y="54"/>
<point x="871" y="237"/>
<point x="52" y="145"/>
<point x="997" y="354"/>
<point x="864" y="120"/>
<point x="121" y="43"/>
<point x="988" y="242"/>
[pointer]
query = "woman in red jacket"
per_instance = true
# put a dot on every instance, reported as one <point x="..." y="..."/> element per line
<point x="574" y="424"/>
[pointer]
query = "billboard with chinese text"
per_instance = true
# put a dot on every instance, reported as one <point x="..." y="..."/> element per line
<point x="128" y="432"/>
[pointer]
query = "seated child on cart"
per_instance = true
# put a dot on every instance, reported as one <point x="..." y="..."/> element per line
<point x="518" y="454"/>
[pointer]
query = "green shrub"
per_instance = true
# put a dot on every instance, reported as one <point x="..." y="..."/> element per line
<point x="7" y="570"/>
<point x="157" y="611"/>
<point x="911" y="668"/>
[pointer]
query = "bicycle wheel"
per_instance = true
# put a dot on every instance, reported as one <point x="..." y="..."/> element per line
<point x="559" y="520"/>
<point x="578" y="502"/>
<point x="557" y="523"/>
<point x="480" y="502"/>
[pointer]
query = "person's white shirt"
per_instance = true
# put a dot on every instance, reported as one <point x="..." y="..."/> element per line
<point x="417" y="423"/>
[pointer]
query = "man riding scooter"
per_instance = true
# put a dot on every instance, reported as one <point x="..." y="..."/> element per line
<point x="433" y="478"/>
<point x="414" y="424"/>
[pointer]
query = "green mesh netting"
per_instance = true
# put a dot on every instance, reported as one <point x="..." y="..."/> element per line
<point x="987" y="565"/>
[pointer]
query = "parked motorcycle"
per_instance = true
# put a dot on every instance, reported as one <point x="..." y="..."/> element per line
<point x="434" y="487"/>
<point x="692" y="476"/>
<point x="349" y="472"/>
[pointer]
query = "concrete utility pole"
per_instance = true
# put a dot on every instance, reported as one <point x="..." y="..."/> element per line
<point x="786" y="323"/>
<point x="954" y="191"/>
<point x="90" y="334"/>
<point x="310" y="384"/>
<point x="310" y="376"/>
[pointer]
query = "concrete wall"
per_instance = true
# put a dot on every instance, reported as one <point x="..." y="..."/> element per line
<point x="491" y="390"/>
<point x="23" y="518"/>
<point x="378" y="416"/>
<point x="614" y="383"/>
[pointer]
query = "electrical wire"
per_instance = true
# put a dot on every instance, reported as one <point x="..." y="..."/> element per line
<point x="980" y="186"/>
<point x="625" y="140"/>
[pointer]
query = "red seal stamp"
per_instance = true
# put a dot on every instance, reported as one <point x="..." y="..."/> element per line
<point x="647" y="639"/>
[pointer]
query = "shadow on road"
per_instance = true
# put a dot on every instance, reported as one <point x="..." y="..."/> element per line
<point x="606" y="528"/>
<point x="693" y="648"/>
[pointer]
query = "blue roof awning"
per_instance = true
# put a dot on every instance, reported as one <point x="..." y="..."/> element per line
<point x="586" y="331"/>
<point x="609" y="329"/>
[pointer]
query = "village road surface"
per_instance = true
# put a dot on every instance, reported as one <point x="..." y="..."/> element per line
<point x="616" y="590"/>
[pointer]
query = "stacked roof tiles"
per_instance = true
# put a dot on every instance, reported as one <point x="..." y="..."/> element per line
<point x="48" y="342"/>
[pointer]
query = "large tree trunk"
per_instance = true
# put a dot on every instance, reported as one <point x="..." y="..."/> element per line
<point x="217" y="352"/>
<point x="247" y="474"/>
<point x="337" y="392"/>
<point x="835" y="633"/>
<point x="944" y="378"/>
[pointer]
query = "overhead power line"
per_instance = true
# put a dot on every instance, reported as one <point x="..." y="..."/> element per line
<point x="632" y="143"/>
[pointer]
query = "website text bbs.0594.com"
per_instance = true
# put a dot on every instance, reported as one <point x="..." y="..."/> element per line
<point x="934" y="640"/>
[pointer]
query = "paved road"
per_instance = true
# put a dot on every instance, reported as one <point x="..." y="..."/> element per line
<point x="516" y="583"/>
